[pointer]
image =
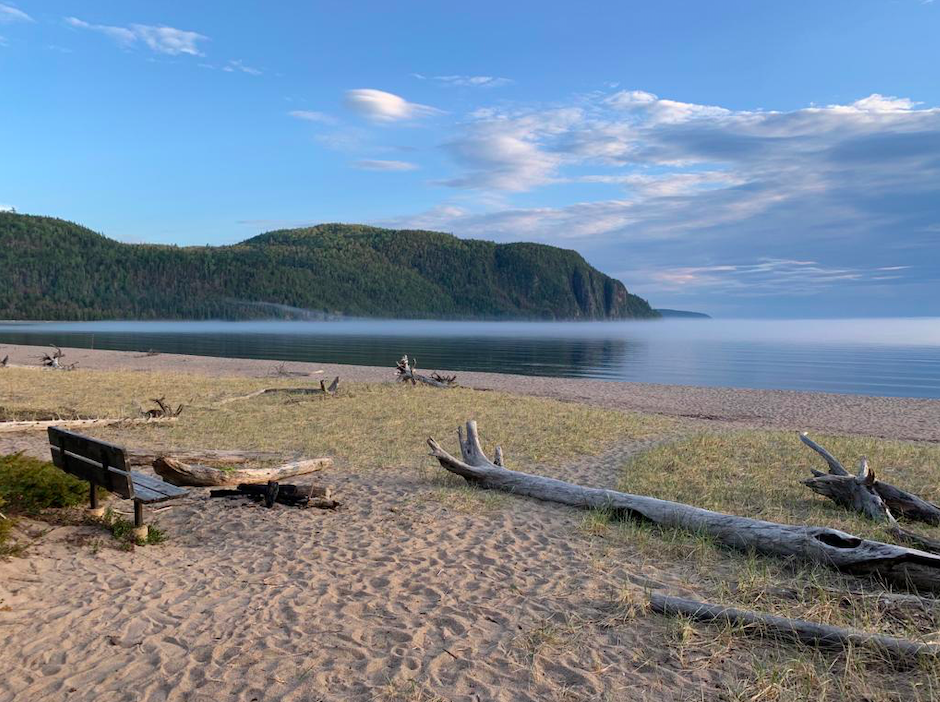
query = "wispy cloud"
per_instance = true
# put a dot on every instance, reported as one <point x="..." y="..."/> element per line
<point x="6" y="208"/>
<point x="237" y="65"/>
<point x="10" y="14"/>
<point x="160" y="39"/>
<point x="467" y="81"/>
<point x="380" y="106"/>
<point x="312" y="116"/>
<point x="377" y="165"/>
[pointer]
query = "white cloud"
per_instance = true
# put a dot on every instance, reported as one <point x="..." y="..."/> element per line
<point x="312" y="116"/>
<point x="7" y="208"/>
<point x="504" y="152"/>
<point x="380" y="106"/>
<point x="161" y="39"/>
<point x="237" y="65"/>
<point x="468" y="81"/>
<point x="377" y="165"/>
<point x="10" y="14"/>
<point x="168" y="40"/>
<point x="3" y="41"/>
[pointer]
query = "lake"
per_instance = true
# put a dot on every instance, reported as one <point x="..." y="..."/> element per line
<point x="893" y="357"/>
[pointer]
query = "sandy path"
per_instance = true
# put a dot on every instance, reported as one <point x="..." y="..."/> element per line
<point x="890" y="417"/>
<point x="245" y="603"/>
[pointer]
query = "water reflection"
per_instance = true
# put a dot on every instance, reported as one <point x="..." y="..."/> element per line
<point x="833" y="355"/>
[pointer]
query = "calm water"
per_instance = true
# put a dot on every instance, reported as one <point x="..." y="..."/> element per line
<point x="873" y="357"/>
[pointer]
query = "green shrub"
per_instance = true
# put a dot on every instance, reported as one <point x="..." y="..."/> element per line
<point x="30" y="485"/>
<point x="6" y="526"/>
<point x="123" y="530"/>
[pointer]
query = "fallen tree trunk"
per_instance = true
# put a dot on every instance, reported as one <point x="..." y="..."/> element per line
<point x="139" y="457"/>
<point x="829" y="547"/>
<point x="406" y="374"/>
<point x="820" y="635"/>
<point x="70" y="423"/>
<point x="195" y="475"/>
<point x="838" y="486"/>
<point x="322" y="390"/>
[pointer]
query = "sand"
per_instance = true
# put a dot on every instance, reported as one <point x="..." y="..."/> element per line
<point x="398" y="595"/>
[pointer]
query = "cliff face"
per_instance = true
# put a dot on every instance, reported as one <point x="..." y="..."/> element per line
<point x="58" y="270"/>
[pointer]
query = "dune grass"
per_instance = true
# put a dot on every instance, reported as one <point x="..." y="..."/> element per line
<point x="366" y="426"/>
<point x="757" y="474"/>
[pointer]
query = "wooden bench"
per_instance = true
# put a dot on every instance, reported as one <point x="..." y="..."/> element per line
<point x="105" y="465"/>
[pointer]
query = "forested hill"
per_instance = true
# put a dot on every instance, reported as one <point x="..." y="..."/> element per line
<point x="53" y="269"/>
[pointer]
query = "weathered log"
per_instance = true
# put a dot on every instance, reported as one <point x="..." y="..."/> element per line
<point x="322" y="390"/>
<point x="855" y="492"/>
<point x="828" y="547"/>
<point x="291" y="495"/>
<point x="162" y="409"/>
<point x="405" y="371"/>
<point x="139" y="457"/>
<point x="820" y="635"/>
<point x="6" y="427"/>
<point x="179" y="473"/>
<point x="845" y="489"/>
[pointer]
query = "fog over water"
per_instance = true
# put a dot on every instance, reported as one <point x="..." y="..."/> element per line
<point x="899" y="357"/>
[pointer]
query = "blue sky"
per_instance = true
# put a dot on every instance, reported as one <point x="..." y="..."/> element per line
<point x="743" y="158"/>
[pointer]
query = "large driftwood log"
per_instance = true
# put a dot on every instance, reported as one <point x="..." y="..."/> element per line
<point x="179" y="473"/>
<point x="406" y="374"/>
<point x="865" y="493"/>
<point x="821" y="635"/>
<point x="140" y="457"/>
<point x="322" y="390"/>
<point x="829" y="547"/>
<point x="6" y="427"/>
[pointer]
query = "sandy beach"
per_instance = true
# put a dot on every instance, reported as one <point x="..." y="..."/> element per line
<point x="395" y="596"/>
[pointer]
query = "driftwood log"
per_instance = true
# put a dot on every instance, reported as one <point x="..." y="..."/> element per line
<point x="53" y="360"/>
<point x="828" y="547"/>
<point x="324" y="389"/>
<point x="285" y="494"/>
<point x="178" y="473"/>
<point x="140" y="457"/>
<point x="820" y="635"/>
<point x="878" y="501"/>
<point x="162" y="409"/>
<point x="70" y="423"/>
<point x="865" y="493"/>
<point x="405" y="371"/>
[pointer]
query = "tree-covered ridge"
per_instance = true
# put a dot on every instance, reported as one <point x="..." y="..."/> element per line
<point x="53" y="269"/>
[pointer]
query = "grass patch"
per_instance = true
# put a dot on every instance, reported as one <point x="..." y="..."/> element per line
<point x="365" y="426"/>
<point x="757" y="474"/>
<point x="123" y="530"/>
<point x="29" y="485"/>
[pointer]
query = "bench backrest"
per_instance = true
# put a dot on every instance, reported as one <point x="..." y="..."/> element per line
<point x="95" y="461"/>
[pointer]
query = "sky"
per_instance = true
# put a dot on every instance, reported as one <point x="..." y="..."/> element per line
<point x="743" y="158"/>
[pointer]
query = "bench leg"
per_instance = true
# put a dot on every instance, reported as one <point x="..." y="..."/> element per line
<point x="93" y="509"/>
<point x="140" y="529"/>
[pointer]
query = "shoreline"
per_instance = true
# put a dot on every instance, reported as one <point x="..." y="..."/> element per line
<point x="910" y="419"/>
